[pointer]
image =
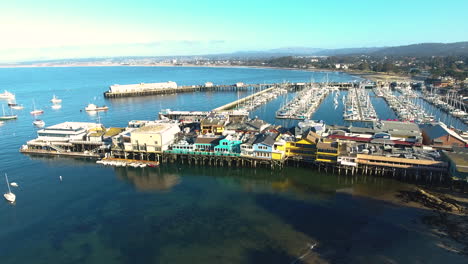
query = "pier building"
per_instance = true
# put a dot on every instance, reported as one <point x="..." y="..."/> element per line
<point x="153" y="137"/>
<point x="438" y="135"/>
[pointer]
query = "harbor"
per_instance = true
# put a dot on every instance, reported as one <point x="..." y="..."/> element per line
<point x="196" y="175"/>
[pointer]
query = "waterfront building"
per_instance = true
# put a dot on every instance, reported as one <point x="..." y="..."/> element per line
<point x="229" y="144"/>
<point x="141" y="87"/>
<point x="68" y="131"/>
<point x="206" y="143"/>
<point x="383" y="132"/>
<point x="304" y="149"/>
<point x="401" y="163"/>
<point x="279" y="150"/>
<point x="153" y="138"/>
<point x="247" y="126"/>
<point x="303" y="127"/>
<point x="438" y="135"/>
<point x="247" y="145"/>
<point x="458" y="163"/>
<point x="327" y="152"/>
<point x="263" y="146"/>
<point x="213" y="125"/>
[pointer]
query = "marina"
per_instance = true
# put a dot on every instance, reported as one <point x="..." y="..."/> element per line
<point x="304" y="104"/>
<point x="358" y="106"/>
<point x="195" y="180"/>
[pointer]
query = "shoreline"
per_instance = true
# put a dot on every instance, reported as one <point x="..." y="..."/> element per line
<point x="372" y="76"/>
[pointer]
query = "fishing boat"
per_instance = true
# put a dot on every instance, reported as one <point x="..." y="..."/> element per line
<point x="7" y="117"/>
<point x="7" y="95"/>
<point x="9" y="196"/>
<point x="39" y="123"/>
<point x="36" y="111"/>
<point x="55" y="100"/>
<point x="93" y="107"/>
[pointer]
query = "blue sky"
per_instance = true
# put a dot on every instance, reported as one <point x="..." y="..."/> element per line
<point x="37" y="29"/>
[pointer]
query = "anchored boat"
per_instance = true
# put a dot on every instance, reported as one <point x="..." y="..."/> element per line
<point x="7" y="117"/>
<point x="93" y="107"/>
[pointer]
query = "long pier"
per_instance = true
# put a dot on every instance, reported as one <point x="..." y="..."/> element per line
<point x="223" y="87"/>
<point x="233" y="104"/>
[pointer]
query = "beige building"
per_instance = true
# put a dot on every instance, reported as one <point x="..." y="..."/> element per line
<point x="152" y="138"/>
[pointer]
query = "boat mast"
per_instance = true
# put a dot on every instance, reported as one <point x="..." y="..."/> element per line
<point x="8" y="184"/>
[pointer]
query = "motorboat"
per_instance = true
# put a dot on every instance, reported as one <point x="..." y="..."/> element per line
<point x="56" y="106"/>
<point x="55" y="100"/>
<point x="39" y="123"/>
<point x="93" y="107"/>
<point x="7" y="95"/>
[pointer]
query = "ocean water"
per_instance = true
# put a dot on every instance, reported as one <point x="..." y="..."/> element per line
<point x="179" y="214"/>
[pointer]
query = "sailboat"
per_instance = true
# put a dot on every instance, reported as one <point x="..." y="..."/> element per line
<point x="36" y="111"/>
<point x="9" y="196"/>
<point x="56" y="100"/>
<point x="7" y="117"/>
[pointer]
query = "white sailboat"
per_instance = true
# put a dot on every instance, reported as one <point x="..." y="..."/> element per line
<point x="36" y="111"/>
<point x="56" y="100"/>
<point x="9" y="196"/>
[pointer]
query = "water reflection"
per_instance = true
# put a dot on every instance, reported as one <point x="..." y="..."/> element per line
<point x="148" y="179"/>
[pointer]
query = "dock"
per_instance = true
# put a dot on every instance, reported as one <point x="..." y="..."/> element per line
<point x="207" y="87"/>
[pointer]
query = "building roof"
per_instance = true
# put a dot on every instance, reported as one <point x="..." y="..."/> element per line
<point x="207" y="140"/>
<point x="434" y="131"/>
<point x="265" y="140"/>
<point x="313" y="137"/>
<point x="113" y="131"/>
<point x="213" y="122"/>
<point x="154" y="129"/>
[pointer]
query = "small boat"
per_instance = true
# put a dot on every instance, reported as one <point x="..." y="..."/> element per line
<point x="1" y="123"/>
<point x="36" y="111"/>
<point x="14" y="184"/>
<point x="7" y="117"/>
<point x="9" y="196"/>
<point x="7" y="95"/>
<point x="93" y="107"/>
<point x="55" y="100"/>
<point x="39" y="123"/>
<point x="56" y="106"/>
<point x="17" y="107"/>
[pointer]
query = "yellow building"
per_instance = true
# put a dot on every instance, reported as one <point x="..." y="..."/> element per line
<point x="304" y="149"/>
<point x="279" y="150"/>
<point x="213" y="126"/>
<point x="327" y="152"/>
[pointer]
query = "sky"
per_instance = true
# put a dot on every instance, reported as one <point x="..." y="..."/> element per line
<point x="54" y="29"/>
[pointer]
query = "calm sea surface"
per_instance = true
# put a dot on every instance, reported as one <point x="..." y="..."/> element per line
<point x="178" y="214"/>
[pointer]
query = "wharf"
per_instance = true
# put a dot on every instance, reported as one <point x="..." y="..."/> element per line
<point x="232" y="105"/>
<point x="222" y="87"/>
<point x="60" y="153"/>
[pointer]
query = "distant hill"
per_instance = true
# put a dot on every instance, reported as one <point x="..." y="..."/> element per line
<point x="425" y="49"/>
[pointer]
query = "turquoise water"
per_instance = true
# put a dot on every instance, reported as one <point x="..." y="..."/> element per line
<point x="178" y="214"/>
